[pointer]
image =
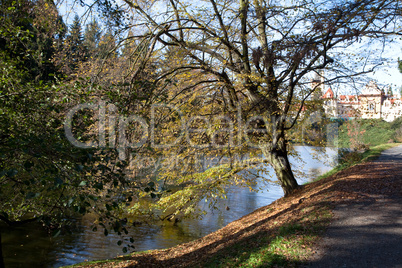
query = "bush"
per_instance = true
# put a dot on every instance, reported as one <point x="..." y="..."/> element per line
<point x="361" y="133"/>
<point x="348" y="157"/>
<point x="397" y="123"/>
<point x="398" y="135"/>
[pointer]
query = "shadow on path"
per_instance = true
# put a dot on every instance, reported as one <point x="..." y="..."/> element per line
<point x="367" y="233"/>
<point x="391" y="155"/>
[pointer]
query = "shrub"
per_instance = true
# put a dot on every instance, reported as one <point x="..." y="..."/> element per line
<point x="398" y="135"/>
<point x="348" y="157"/>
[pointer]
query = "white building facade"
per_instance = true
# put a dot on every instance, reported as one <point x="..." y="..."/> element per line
<point x="372" y="103"/>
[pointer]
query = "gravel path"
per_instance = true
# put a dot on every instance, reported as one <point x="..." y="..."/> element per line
<point x="367" y="233"/>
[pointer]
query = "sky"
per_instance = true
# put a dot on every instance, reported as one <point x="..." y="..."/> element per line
<point x="389" y="73"/>
<point x="385" y="75"/>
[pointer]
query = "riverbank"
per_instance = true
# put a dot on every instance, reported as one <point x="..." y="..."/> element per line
<point x="281" y="234"/>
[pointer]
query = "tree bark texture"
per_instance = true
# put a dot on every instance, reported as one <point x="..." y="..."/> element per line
<point x="278" y="157"/>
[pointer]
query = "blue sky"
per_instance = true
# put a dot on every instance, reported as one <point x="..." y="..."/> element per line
<point x="386" y="75"/>
<point x="389" y="73"/>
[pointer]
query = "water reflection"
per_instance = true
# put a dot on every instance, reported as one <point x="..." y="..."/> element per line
<point x="29" y="246"/>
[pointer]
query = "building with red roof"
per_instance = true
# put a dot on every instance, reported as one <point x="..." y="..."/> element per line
<point x="372" y="103"/>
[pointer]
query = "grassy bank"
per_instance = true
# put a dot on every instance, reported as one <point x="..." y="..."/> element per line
<point x="279" y="235"/>
<point x="348" y="159"/>
<point x="282" y="234"/>
<point x="371" y="132"/>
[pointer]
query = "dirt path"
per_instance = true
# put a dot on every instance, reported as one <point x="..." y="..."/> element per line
<point x="367" y="233"/>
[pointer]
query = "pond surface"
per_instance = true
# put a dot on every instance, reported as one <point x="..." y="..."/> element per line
<point x="30" y="246"/>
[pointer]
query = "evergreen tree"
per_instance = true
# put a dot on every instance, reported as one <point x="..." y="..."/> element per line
<point x="75" y="50"/>
<point x="107" y="45"/>
<point x="92" y="38"/>
<point x="28" y="31"/>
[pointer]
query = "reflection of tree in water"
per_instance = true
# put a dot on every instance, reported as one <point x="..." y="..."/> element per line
<point x="313" y="174"/>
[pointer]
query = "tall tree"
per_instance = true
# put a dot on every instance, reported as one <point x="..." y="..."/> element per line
<point x="43" y="177"/>
<point x="224" y="79"/>
<point x="263" y="54"/>
<point x="92" y="37"/>
<point x="31" y="143"/>
<point x="74" y="51"/>
<point x="33" y="46"/>
<point x="107" y="45"/>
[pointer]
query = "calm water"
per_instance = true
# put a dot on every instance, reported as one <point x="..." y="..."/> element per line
<point x="30" y="246"/>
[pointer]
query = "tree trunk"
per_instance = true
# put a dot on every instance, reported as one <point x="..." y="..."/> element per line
<point x="278" y="157"/>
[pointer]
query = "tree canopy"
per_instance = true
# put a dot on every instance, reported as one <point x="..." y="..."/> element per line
<point x="260" y="56"/>
<point x="43" y="177"/>
<point x="230" y="80"/>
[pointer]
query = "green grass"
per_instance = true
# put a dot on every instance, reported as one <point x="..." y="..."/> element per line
<point x="286" y="248"/>
<point x="255" y="253"/>
<point x="375" y="151"/>
<point x="374" y="131"/>
<point x="291" y="243"/>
